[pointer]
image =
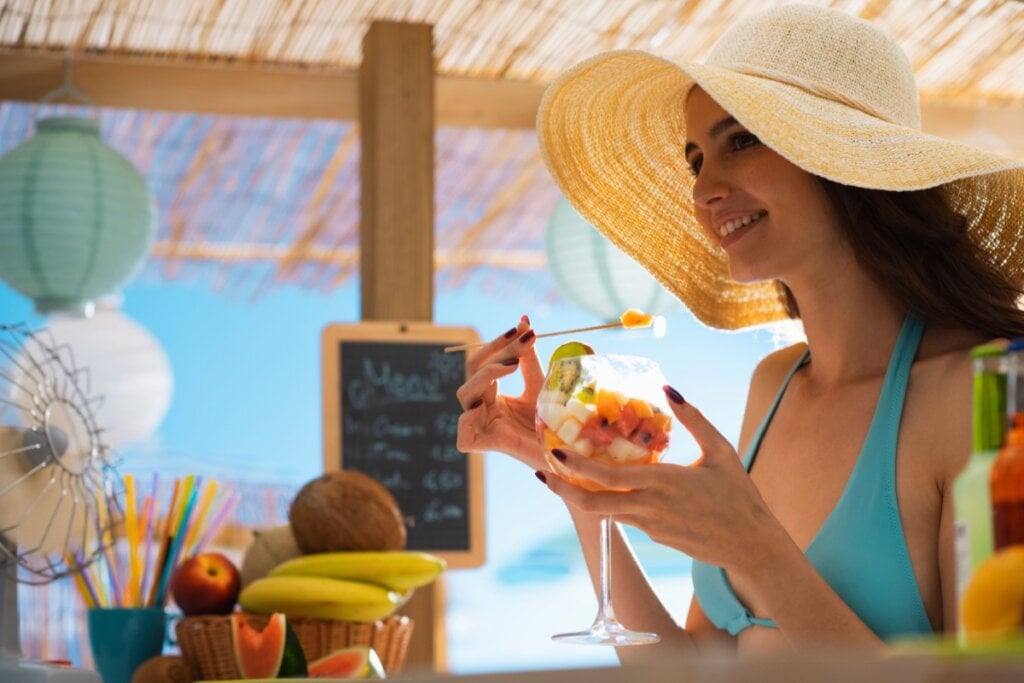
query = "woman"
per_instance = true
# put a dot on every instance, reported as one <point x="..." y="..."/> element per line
<point x="740" y="184"/>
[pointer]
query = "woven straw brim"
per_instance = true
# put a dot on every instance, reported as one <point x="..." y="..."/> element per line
<point x="612" y="132"/>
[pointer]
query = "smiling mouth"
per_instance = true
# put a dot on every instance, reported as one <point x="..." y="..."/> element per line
<point x="729" y="227"/>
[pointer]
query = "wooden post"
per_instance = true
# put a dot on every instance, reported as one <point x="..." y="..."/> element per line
<point x="396" y="115"/>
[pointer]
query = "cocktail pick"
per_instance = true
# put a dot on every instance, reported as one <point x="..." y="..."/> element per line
<point x="631" y="319"/>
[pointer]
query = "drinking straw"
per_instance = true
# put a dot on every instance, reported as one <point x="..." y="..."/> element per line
<point x="201" y="518"/>
<point x="149" y="513"/>
<point x="107" y="542"/>
<point x="165" y="545"/>
<point x="145" y="536"/>
<point x="85" y="591"/>
<point x="172" y="555"/>
<point x="226" y="508"/>
<point x="131" y="593"/>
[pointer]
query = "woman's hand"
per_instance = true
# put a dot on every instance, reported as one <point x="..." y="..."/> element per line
<point x="491" y="421"/>
<point x="709" y="510"/>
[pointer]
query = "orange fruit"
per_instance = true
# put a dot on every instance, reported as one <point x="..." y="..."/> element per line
<point x="992" y="607"/>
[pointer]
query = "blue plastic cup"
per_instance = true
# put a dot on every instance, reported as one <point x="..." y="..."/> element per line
<point x="122" y="638"/>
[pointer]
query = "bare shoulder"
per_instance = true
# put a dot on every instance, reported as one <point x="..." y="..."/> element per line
<point x="938" y="405"/>
<point x="770" y="373"/>
<point x="765" y="382"/>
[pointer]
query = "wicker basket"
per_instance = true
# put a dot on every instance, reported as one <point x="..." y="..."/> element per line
<point x="205" y="641"/>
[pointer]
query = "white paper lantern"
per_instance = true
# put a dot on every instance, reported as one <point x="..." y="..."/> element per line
<point x="594" y="274"/>
<point x="127" y="366"/>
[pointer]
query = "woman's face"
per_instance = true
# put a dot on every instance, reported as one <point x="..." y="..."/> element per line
<point x="772" y="218"/>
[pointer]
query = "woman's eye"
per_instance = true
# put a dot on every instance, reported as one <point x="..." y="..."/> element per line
<point x="743" y="140"/>
<point x="695" y="165"/>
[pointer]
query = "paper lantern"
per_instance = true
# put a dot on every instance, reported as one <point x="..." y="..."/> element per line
<point x="126" y="366"/>
<point x="594" y="274"/>
<point x="76" y="218"/>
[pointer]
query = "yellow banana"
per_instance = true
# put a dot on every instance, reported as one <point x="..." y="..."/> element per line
<point x="342" y="612"/>
<point x="399" y="570"/>
<point x="289" y="593"/>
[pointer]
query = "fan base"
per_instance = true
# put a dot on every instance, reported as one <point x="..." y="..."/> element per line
<point x="22" y="671"/>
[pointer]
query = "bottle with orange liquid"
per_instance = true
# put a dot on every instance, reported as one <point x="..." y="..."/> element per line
<point x="971" y="496"/>
<point x="1006" y="480"/>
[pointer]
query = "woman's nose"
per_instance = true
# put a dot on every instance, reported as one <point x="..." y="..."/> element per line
<point x="710" y="186"/>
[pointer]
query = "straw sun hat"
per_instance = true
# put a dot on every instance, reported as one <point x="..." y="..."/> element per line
<point x="833" y="94"/>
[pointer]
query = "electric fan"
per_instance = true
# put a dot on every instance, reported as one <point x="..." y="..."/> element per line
<point x="58" y="487"/>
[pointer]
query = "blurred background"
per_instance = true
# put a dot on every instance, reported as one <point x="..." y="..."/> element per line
<point x="241" y="119"/>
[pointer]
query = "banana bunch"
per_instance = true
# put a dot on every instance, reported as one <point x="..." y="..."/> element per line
<point x="346" y="586"/>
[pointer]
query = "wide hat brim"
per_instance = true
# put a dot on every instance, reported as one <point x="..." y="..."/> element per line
<point x="612" y="131"/>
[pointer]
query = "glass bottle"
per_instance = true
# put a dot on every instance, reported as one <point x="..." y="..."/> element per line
<point x="971" y="500"/>
<point x="1006" y="480"/>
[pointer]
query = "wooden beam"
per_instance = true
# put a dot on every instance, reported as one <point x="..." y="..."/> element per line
<point x="243" y="89"/>
<point x="247" y="89"/>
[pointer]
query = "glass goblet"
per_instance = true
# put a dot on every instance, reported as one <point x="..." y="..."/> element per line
<point x="611" y="408"/>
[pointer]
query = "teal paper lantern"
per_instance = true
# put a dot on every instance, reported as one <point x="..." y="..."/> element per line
<point x="76" y="218"/>
<point x="594" y="274"/>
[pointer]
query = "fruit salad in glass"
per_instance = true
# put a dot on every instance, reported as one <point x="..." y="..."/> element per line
<point x="611" y="408"/>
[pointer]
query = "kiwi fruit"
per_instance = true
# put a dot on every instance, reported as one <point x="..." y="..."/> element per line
<point x="346" y="510"/>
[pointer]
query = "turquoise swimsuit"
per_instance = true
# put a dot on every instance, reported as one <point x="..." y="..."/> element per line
<point x="860" y="550"/>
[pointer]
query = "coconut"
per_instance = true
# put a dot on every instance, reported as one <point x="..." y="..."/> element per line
<point x="270" y="547"/>
<point x="346" y="510"/>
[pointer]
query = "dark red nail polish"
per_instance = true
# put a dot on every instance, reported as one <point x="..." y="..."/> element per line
<point x="673" y="395"/>
<point x="526" y="337"/>
<point x="540" y="475"/>
<point x="510" y="361"/>
<point x="476" y="404"/>
<point x="559" y="455"/>
<point x="511" y="333"/>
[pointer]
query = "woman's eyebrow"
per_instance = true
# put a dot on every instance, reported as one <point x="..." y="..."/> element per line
<point x="717" y="129"/>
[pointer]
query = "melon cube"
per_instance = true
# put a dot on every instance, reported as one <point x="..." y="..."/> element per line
<point x="584" y="447"/>
<point x="553" y="414"/>
<point x="581" y="411"/>
<point x="622" y="450"/>
<point x="570" y="429"/>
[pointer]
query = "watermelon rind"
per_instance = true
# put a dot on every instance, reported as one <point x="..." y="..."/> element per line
<point x="293" y="660"/>
<point x="355" y="661"/>
<point x="258" y="654"/>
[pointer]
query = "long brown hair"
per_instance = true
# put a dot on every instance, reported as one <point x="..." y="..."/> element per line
<point x="917" y="247"/>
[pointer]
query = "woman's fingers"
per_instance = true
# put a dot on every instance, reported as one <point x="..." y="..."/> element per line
<point x="482" y="385"/>
<point x="484" y="354"/>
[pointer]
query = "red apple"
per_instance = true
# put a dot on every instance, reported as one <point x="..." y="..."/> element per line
<point x="206" y="583"/>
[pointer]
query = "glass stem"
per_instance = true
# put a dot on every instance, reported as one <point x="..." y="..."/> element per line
<point x="605" y="610"/>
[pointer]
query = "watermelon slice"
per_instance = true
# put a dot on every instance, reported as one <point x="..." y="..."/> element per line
<point x="268" y="653"/>
<point x="357" y="661"/>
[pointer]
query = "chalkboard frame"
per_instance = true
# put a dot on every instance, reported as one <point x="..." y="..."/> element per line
<point x="333" y="337"/>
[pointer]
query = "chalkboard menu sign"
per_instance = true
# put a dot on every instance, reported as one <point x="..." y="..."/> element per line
<point x="390" y="412"/>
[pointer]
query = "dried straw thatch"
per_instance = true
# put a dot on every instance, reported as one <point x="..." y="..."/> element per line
<point x="251" y="202"/>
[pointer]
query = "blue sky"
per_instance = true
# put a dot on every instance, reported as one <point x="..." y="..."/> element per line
<point x="246" y="405"/>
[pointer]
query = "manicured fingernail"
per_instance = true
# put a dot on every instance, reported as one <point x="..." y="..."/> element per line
<point x="526" y="319"/>
<point x="673" y="395"/>
<point x="510" y="361"/>
<point x="540" y="475"/>
<point x="526" y="337"/>
<point x="511" y="333"/>
<point x="559" y="454"/>
<point x="476" y="404"/>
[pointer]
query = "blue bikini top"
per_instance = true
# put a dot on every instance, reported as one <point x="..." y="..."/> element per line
<point x="860" y="549"/>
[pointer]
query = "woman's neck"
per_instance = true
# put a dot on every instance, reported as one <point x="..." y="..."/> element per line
<point x="851" y="326"/>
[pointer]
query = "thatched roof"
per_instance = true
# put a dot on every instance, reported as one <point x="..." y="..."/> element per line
<point x="241" y="113"/>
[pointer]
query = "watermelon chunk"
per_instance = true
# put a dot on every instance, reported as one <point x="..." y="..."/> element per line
<point x="268" y="653"/>
<point x="357" y="661"/>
